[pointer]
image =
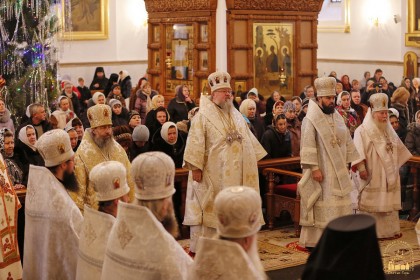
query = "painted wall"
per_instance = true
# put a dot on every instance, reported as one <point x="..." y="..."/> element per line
<point x="366" y="47"/>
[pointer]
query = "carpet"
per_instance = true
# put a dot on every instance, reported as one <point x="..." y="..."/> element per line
<point x="279" y="249"/>
<point x="402" y="254"/>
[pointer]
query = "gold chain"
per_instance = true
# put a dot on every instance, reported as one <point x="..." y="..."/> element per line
<point x="231" y="133"/>
<point x="334" y="139"/>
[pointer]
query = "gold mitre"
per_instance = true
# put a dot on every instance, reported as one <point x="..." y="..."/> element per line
<point x="99" y="115"/>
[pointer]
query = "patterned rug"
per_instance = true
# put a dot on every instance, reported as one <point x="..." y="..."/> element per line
<point x="402" y="253"/>
<point x="279" y="249"/>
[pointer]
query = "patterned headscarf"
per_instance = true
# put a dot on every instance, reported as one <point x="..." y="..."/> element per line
<point x="2" y="131"/>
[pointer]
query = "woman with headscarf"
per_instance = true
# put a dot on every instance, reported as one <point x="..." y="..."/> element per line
<point x="125" y="83"/>
<point x="72" y="96"/>
<point x="179" y="107"/>
<point x="120" y="114"/>
<point x="14" y="166"/>
<point x="348" y="113"/>
<point x="115" y="93"/>
<point x="26" y="151"/>
<point x="275" y="96"/>
<point x="248" y="109"/>
<point x="277" y="109"/>
<point x="99" y="81"/>
<point x="294" y="126"/>
<point x="157" y="101"/>
<point x="157" y="118"/>
<point x="5" y="120"/>
<point x="63" y="114"/>
<point x="97" y="98"/>
<point x="171" y="142"/>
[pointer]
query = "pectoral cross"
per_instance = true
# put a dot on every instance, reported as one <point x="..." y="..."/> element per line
<point x="389" y="147"/>
<point x="335" y="141"/>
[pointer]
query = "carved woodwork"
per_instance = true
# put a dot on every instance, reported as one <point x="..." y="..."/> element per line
<point x="276" y="5"/>
<point x="163" y="15"/>
<point x="241" y="17"/>
<point x="158" y="6"/>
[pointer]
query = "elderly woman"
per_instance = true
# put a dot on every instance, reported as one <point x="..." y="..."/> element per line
<point x="26" y="151"/>
<point x="179" y="107"/>
<point x="5" y="120"/>
<point x="248" y="109"/>
<point x="14" y="166"/>
<point x="399" y="101"/>
<point x="171" y="142"/>
<point x="349" y="114"/>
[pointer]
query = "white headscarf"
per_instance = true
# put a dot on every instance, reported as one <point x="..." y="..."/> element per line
<point x="61" y="97"/>
<point x="24" y="138"/>
<point x="96" y="96"/>
<point x="164" y="131"/>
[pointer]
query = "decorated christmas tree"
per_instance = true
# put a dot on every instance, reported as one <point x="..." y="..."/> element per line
<point x="28" y="56"/>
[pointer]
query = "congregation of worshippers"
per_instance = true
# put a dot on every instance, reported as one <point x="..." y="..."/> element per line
<point x="99" y="174"/>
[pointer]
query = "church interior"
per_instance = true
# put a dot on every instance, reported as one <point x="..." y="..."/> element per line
<point x="278" y="46"/>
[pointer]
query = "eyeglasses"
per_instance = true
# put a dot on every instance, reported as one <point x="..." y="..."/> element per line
<point x="225" y="91"/>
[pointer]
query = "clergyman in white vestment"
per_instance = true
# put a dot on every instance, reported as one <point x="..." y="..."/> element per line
<point x="221" y="151"/>
<point x="383" y="153"/>
<point x="53" y="221"/>
<point x="326" y="152"/>
<point x="141" y="243"/>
